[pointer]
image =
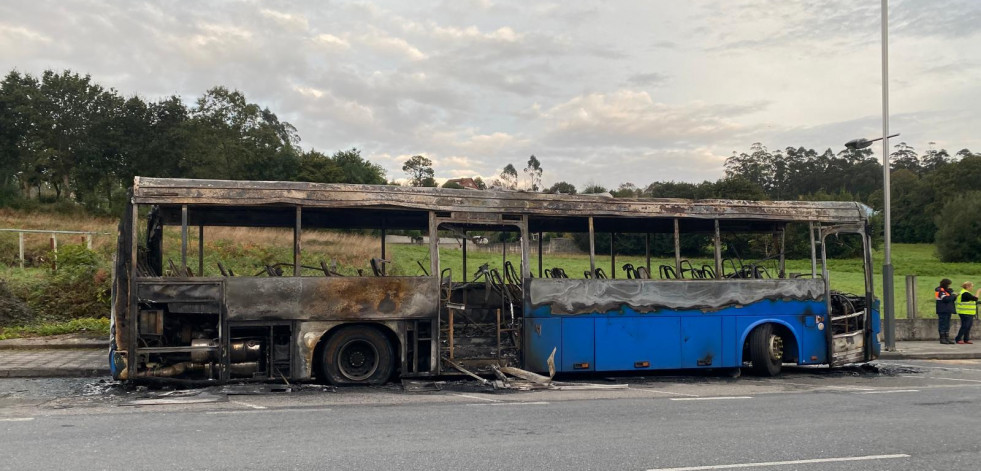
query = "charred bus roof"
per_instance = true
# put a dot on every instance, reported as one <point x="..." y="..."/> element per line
<point x="272" y="204"/>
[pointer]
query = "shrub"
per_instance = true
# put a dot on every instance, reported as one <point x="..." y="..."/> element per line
<point x="959" y="235"/>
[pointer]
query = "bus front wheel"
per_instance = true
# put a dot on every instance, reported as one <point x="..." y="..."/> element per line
<point x="765" y="350"/>
<point x="357" y="355"/>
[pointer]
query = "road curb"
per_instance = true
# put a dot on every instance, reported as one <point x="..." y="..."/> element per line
<point x="19" y="344"/>
<point x="54" y="372"/>
<point x="930" y="356"/>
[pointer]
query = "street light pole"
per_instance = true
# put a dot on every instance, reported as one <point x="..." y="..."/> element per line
<point x="887" y="274"/>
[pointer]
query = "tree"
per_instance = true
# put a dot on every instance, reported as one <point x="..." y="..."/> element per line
<point x="420" y="171"/>
<point x="905" y="158"/>
<point x="234" y="139"/>
<point x="480" y="183"/>
<point x="534" y="173"/>
<point x="508" y="178"/>
<point x="957" y="239"/>
<point x="564" y="188"/>
<point x="934" y="159"/>
<point x="593" y="189"/>
<point x="452" y="184"/>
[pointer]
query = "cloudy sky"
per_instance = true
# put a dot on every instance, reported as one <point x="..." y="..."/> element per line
<point x="601" y="92"/>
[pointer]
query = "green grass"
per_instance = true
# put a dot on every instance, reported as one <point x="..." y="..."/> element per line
<point x="96" y="327"/>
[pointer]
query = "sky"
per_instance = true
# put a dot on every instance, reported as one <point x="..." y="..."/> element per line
<point x="601" y="92"/>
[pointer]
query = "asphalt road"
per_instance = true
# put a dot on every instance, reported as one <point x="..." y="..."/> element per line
<point x="905" y="416"/>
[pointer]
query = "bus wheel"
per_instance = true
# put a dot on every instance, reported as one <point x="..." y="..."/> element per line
<point x="358" y="355"/>
<point x="765" y="351"/>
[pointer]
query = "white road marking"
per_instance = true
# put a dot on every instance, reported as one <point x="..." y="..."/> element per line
<point x="960" y="379"/>
<point x="849" y="388"/>
<point x="664" y="392"/>
<point x="888" y="391"/>
<point x="784" y="463"/>
<point x="513" y="403"/>
<point x="478" y="397"/>
<point x="17" y="419"/>
<point x="935" y="367"/>
<point x="246" y="404"/>
<point x="716" y="398"/>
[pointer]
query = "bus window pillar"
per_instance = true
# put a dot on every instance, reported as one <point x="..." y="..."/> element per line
<point x="464" y="256"/>
<point x="783" y="251"/>
<point x="541" y="257"/>
<point x="613" y="255"/>
<point x="810" y="232"/>
<point x="183" y="238"/>
<point x="200" y="250"/>
<point x="297" y="228"/>
<point x="433" y="247"/>
<point x="717" y="241"/>
<point x="677" y="247"/>
<point x="525" y="262"/>
<point x="647" y="251"/>
<point x="383" y="234"/>
<point x="592" y="249"/>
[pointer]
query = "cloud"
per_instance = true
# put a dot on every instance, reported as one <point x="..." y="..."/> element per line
<point x="632" y="117"/>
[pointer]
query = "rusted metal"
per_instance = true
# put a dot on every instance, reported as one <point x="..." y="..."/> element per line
<point x="245" y="193"/>
<point x="331" y="298"/>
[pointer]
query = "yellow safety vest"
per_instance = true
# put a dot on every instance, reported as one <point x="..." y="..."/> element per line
<point x="965" y="308"/>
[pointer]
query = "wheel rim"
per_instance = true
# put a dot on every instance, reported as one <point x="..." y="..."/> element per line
<point x="775" y="348"/>
<point x="357" y="360"/>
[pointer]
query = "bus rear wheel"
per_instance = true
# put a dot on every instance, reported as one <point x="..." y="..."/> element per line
<point x="357" y="355"/>
<point x="765" y="351"/>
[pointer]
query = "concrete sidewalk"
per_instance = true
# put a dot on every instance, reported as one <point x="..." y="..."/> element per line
<point x="932" y="350"/>
<point x="73" y="356"/>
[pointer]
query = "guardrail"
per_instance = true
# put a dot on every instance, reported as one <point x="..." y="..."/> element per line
<point x="54" y="241"/>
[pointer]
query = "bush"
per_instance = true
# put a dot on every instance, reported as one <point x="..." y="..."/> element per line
<point x="958" y="238"/>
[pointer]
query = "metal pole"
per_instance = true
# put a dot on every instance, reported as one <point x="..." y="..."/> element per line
<point x="717" y="242"/>
<point x="464" y="256"/>
<point x="200" y="250"/>
<point x="297" y="234"/>
<point x="887" y="271"/>
<point x="54" y="252"/>
<point x="613" y="255"/>
<point x="20" y="245"/>
<point x="383" y="234"/>
<point x="677" y="247"/>
<point x="592" y="249"/>
<point x="541" y="257"/>
<point x="183" y="240"/>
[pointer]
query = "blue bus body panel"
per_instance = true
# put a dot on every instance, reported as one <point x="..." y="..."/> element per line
<point x="637" y="343"/>
<point x="545" y="334"/>
<point x="702" y="342"/>
<point x="578" y="349"/>
<point x="628" y="338"/>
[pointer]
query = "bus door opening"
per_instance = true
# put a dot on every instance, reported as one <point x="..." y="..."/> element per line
<point x="849" y="332"/>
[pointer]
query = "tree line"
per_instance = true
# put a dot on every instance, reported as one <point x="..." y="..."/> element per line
<point x="65" y="137"/>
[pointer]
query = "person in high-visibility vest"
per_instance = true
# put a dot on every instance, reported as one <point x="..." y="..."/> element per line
<point x="944" y="296"/>
<point x="966" y="307"/>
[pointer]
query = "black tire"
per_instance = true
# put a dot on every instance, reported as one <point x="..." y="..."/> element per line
<point x="765" y="351"/>
<point x="357" y="355"/>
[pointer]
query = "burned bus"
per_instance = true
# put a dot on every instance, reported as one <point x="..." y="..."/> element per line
<point x="177" y="317"/>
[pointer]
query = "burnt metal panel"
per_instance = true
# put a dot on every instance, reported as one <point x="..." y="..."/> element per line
<point x="331" y="298"/>
<point x="181" y="296"/>
<point x="176" y="191"/>
<point x="566" y="296"/>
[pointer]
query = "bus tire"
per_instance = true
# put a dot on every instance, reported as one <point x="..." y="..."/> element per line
<point x="357" y="354"/>
<point x="765" y="351"/>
